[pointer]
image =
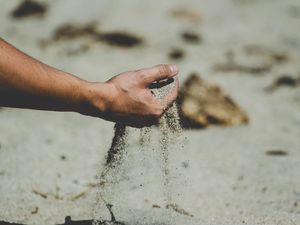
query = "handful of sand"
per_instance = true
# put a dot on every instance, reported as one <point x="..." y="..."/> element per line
<point x="137" y="169"/>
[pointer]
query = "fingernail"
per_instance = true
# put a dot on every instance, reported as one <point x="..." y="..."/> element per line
<point x="174" y="68"/>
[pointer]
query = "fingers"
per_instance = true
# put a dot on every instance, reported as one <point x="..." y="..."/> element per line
<point x="156" y="73"/>
<point x="160" y="84"/>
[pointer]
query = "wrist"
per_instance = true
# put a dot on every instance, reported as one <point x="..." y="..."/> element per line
<point x="98" y="96"/>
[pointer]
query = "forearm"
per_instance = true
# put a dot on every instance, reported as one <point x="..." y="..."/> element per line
<point x="28" y="83"/>
<point x="126" y="98"/>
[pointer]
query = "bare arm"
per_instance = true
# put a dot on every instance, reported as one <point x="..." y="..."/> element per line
<point x="28" y="83"/>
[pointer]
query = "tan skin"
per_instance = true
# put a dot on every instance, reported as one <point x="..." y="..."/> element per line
<point x="27" y="83"/>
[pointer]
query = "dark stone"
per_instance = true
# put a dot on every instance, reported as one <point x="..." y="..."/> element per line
<point x="72" y="31"/>
<point x="176" y="54"/>
<point x="191" y="37"/>
<point x="276" y="153"/>
<point x="92" y="34"/>
<point x="286" y="80"/>
<point x="29" y="8"/>
<point x="120" y="39"/>
<point x="69" y="221"/>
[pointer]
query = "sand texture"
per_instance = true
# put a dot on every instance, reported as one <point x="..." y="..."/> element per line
<point x="227" y="175"/>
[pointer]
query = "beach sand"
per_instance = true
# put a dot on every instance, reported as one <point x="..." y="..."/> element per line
<point x="233" y="175"/>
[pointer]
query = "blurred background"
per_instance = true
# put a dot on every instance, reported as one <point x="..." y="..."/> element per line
<point x="240" y="104"/>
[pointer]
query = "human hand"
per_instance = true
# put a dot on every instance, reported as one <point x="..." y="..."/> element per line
<point x="126" y="98"/>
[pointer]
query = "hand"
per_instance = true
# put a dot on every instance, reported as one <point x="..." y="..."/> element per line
<point x="127" y="98"/>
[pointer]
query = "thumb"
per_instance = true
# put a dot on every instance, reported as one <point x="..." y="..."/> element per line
<point x="157" y="73"/>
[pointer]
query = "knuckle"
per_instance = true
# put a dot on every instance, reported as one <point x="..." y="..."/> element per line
<point x="142" y="75"/>
<point x="164" y="69"/>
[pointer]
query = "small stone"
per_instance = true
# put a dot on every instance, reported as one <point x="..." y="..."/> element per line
<point x="191" y="37"/>
<point x="176" y="54"/>
<point x="120" y="39"/>
<point x="29" y="8"/>
<point x="276" y="152"/>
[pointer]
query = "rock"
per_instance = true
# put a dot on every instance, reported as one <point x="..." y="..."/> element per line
<point x="203" y="104"/>
<point x="121" y="39"/>
<point x="284" y="80"/>
<point x="29" y="8"/>
<point x="176" y="54"/>
<point x="191" y="37"/>
<point x="71" y="31"/>
<point x="69" y="221"/>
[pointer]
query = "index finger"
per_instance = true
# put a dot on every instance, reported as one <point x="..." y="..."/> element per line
<point x="159" y="72"/>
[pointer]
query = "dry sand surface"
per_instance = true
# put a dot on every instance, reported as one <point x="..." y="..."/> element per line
<point x="247" y="174"/>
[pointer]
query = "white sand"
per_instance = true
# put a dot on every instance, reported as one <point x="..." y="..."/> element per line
<point x="230" y="178"/>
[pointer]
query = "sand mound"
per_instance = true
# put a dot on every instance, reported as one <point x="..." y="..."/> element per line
<point x="203" y="104"/>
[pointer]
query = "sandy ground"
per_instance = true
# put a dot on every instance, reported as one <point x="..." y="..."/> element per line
<point x="231" y="178"/>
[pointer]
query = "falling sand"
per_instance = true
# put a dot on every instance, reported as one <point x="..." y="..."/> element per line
<point x="138" y="173"/>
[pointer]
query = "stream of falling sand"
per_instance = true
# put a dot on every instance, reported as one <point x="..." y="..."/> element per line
<point x="169" y="129"/>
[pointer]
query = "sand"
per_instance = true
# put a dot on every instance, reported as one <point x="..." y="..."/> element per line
<point x="116" y="176"/>
<point x="232" y="177"/>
